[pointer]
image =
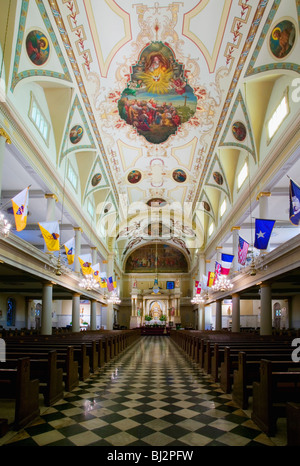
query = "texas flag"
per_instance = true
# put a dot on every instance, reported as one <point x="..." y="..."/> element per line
<point x="263" y="230"/>
<point x="50" y="232"/>
<point x="20" y="208"/>
<point x="70" y="250"/>
<point x="226" y="263"/>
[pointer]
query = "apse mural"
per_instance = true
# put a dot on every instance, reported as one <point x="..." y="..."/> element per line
<point x="282" y="38"/>
<point x="166" y="258"/>
<point x="37" y="47"/>
<point x="158" y="98"/>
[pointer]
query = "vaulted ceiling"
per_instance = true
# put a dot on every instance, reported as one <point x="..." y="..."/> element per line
<point x="174" y="130"/>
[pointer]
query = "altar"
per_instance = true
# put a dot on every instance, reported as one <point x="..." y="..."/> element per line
<point x="161" y="330"/>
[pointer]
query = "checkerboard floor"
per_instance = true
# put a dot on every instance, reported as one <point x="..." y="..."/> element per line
<point x="150" y="395"/>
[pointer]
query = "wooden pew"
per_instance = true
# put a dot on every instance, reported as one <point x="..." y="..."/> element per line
<point x="15" y="383"/>
<point x="230" y="363"/>
<point x="44" y="369"/>
<point x="64" y="362"/>
<point x="271" y="395"/>
<point x="293" y="424"/>
<point x="248" y="371"/>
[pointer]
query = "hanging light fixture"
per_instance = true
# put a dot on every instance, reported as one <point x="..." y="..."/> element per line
<point x="198" y="299"/>
<point x="114" y="298"/>
<point x="5" y="226"/>
<point x="222" y="284"/>
<point x="89" y="283"/>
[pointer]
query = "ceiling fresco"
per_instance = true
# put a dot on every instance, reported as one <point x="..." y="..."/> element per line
<point x="166" y="101"/>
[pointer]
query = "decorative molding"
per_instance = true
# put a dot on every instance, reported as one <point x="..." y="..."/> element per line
<point x="4" y="134"/>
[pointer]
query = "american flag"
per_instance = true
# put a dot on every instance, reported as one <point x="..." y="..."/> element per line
<point x="243" y="251"/>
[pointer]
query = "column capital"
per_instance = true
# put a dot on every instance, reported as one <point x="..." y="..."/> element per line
<point x="51" y="196"/>
<point x="263" y="194"/>
<point x="235" y="295"/>
<point x="93" y="248"/>
<point x="4" y="134"/>
<point x="235" y="228"/>
<point x="78" y="229"/>
<point x="76" y="295"/>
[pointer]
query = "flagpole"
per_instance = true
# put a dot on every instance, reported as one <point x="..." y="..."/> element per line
<point x="8" y="202"/>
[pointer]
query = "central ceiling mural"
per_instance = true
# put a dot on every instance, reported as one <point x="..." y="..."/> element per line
<point x="158" y="99"/>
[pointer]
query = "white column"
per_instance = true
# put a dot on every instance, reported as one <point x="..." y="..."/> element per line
<point x="94" y="255"/>
<point x="265" y="309"/>
<point x="78" y="232"/>
<point x="201" y="316"/>
<point x="46" y="320"/>
<point x="76" y="312"/>
<point x="50" y="213"/>
<point x="218" y="314"/>
<point x="93" y="317"/>
<point x="235" y="312"/>
<point x="28" y="313"/>
<point x="110" y="306"/>
<point x="235" y="248"/>
<point x="4" y="139"/>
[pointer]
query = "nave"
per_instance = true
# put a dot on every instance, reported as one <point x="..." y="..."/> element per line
<point x="150" y="395"/>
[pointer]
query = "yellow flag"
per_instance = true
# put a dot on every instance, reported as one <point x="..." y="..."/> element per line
<point x="86" y="262"/>
<point x="70" y="250"/>
<point x="20" y="208"/>
<point x="50" y="232"/>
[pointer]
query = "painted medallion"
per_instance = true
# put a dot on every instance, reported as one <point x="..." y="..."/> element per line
<point x="37" y="46"/>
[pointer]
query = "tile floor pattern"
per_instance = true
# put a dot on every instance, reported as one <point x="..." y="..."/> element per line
<point x="151" y="395"/>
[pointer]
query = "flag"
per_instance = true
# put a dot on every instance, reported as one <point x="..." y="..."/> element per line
<point x="110" y="285"/>
<point x="226" y="263"/>
<point x="242" y="251"/>
<point x="70" y="250"/>
<point x="50" y="232"/>
<point x="86" y="261"/>
<point x="217" y="270"/>
<point x="96" y="272"/>
<point x="263" y="230"/>
<point x="20" y="208"/>
<point x="103" y="283"/>
<point x="198" y="287"/>
<point x="210" y="279"/>
<point x="115" y="283"/>
<point x="294" y="203"/>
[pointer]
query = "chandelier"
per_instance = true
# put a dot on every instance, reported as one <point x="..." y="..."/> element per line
<point x="114" y="298"/>
<point x="222" y="284"/>
<point x="5" y="226"/>
<point x="89" y="283"/>
<point x="198" y="299"/>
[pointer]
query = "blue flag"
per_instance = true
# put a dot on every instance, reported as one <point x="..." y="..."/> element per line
<point x="263" y="230"/>
<point x="294" y="203"/>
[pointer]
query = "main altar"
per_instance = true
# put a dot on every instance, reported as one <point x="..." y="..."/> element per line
<point x="155" y="312"/>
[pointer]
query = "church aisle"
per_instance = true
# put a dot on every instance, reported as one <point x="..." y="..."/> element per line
<point x="151" y="395"/>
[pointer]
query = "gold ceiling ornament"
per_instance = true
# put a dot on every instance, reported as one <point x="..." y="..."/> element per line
<point x="4" y="134"/>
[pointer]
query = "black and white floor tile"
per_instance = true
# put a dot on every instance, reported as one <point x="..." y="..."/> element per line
<point x="150" y="395"/>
